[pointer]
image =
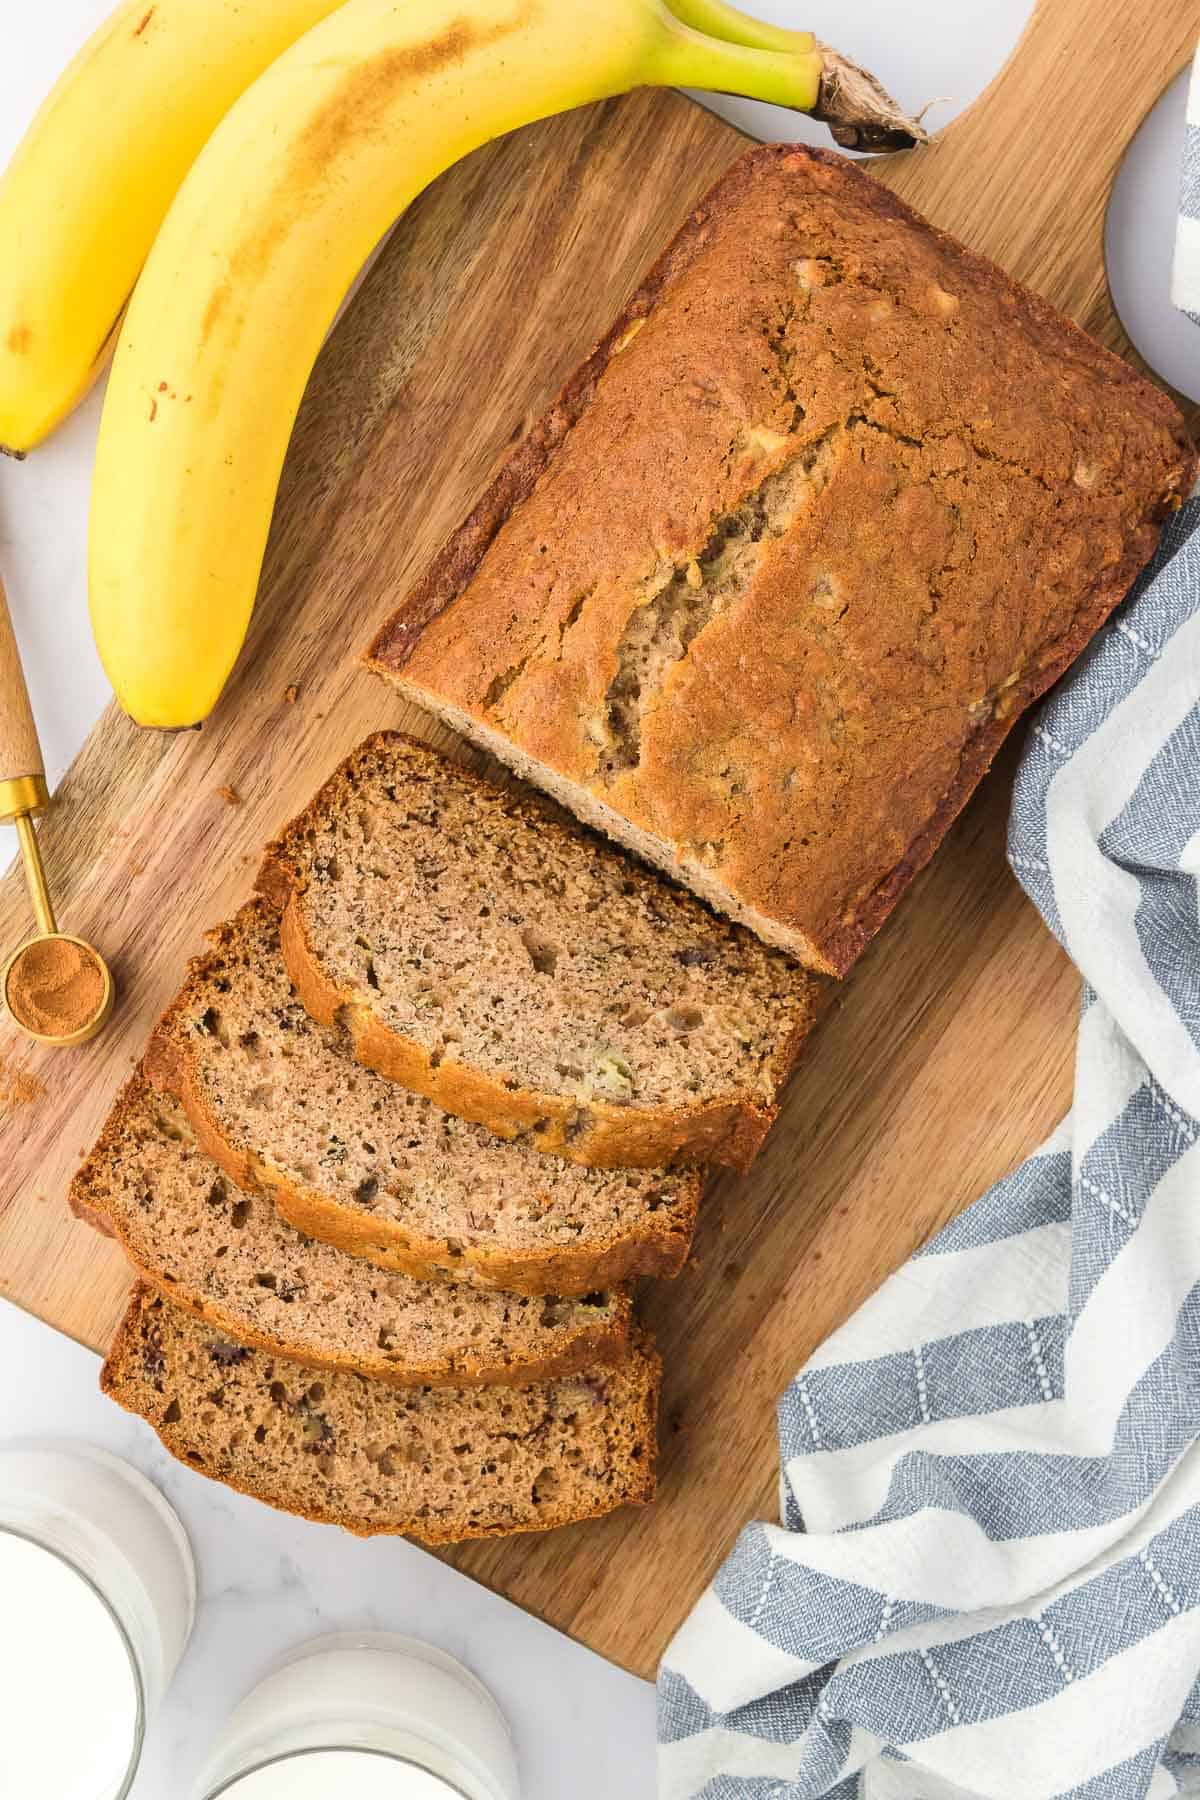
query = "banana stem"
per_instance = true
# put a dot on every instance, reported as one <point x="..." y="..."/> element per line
<point x="859" y="111"/>
<point x="716" y="18"/>
<point x="802" y="73"/>
<point x="687" y="58"/>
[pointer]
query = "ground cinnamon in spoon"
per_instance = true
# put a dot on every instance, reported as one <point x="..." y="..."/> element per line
<point x="55" y="987"/>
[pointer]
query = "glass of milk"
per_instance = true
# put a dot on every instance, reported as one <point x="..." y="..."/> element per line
<point x="364" y="1716"/>
<point x="97" y="1597"/>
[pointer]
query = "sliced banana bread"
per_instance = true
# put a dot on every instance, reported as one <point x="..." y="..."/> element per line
<point x="229" y="1258"/>
<point x="281" y="1104"/>
<point x="484" y="950"/>
<point x="439" y="1464"/>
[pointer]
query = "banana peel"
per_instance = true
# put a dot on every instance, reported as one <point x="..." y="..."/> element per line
<point x="92" y="179"/>
<point x="312" y="160"/>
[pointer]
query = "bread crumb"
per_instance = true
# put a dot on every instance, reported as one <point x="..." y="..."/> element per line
<point x="291" y="693"/>
<point x="942" y="302"/>
<point x="17" y="1086"/>
<point x="231" y="795"/>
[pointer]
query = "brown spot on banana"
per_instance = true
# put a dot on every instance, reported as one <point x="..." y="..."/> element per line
<point x="354" y="109"/>
<point x="19" y="339"/>
<point x="212" y="312"/>
<point x="356" y="106"/>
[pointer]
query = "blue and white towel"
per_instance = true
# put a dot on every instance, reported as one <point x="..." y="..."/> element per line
<point x="986" y="1582"/>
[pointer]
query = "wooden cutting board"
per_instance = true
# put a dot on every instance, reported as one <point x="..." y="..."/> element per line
<point x="949" y="1055"/>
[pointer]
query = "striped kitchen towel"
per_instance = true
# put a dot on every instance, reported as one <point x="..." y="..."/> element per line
<point x="986" y="1582"/>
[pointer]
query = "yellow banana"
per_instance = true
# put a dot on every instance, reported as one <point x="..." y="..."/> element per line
<point x="721" y="20"/>
<point x="89" y="185"/>
<point x="280" y="209"/>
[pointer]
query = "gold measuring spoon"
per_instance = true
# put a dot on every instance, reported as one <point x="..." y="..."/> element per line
<point x="52" y="967"/>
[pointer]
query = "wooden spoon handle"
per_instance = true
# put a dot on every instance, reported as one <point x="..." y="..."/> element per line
<point x="22" y="771"/>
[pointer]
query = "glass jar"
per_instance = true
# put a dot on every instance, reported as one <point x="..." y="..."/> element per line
<point x="367" y="1716"/>
<point x="97" y="1598"/>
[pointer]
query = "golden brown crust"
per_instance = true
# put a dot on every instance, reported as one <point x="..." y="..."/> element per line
<point x="88" y="1212"/>
<point x="599" y="1134"/>
<point x="567" y="1272"/>
<point x="604" y="1344"/>
<point x="658" y="1249"/>
<point x="600" y="1347"/>
<point x="1020" y="513"/>
<point x="845" y="945"/>
<point x="123" y="1349"/>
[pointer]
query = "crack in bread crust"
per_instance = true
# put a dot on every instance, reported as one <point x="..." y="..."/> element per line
<point x="683" y="602"/>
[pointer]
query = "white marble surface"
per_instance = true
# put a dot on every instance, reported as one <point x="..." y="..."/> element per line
<point x="584" y="1730"/>
<point x="1139" y="241"/>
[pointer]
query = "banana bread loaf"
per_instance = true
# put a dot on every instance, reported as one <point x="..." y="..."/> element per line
<point x="280" y="1103"/>
<point x="439" y="1464"/>
<point x="230" y="1259"/>
<point x="484" y="951"/>
<point x="764" y="591"/>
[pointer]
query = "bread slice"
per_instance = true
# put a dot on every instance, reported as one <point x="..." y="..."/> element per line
<point x="764" y="590"/>
<point x="229" y="1258"/>
<point x="484" y="950"/>
<point x="280" y="1103"/>
<point x="439" y="1464"/>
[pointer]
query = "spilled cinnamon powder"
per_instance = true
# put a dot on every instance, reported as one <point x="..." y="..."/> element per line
<point x="17" y="1086"/>
<point x="55" y="987"/>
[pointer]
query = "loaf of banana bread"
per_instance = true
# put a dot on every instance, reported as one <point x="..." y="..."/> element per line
<point x="764" y="591"/>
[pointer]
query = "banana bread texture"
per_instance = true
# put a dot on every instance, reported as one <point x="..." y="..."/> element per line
<point x="482" y="950"/>
<point x="438" y="1464"/>
<point x="230" y="1259"/>
<point x="360" y="1162"/>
